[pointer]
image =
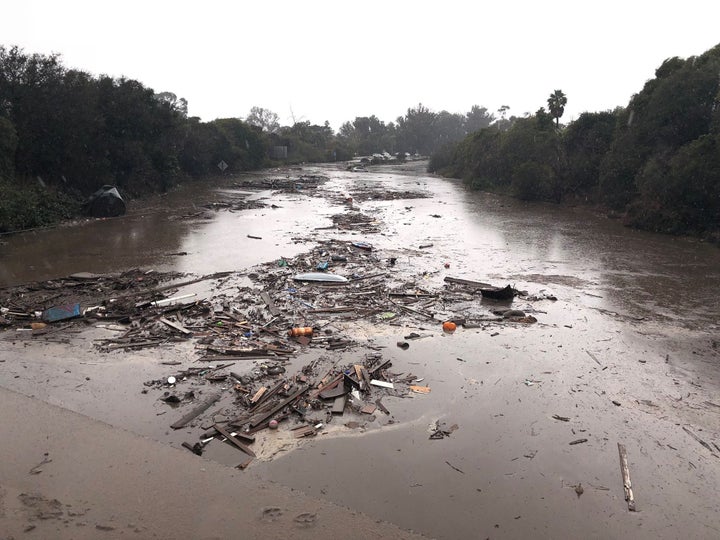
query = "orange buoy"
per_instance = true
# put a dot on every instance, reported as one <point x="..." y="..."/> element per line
<point x="449" y="326"/>
<point x="301" y="331"/>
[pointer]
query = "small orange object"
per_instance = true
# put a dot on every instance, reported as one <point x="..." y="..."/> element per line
<point x="301" y="331"/>
<point x="449" y="326"/>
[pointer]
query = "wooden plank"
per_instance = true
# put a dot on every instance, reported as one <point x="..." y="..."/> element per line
<point x="411" y="295"/>
<point x="261" y="417"/>
<point x="698" y="439"/>
<point x="176" y="326"/>
<point x="267" y="395"/>
<point x="334" y="392"/>
<point x="382" y="407"/>
<point x="274" y="311"/>
<point x="245" y="437"/>
<point x="225" y="433"/>
<point x="591" y="355"/>
<point x="304" y="431"/>
<point x="368" y="277"/>
<point x="258" y="394"/>
<point x="377" y="369"/>
<point x="339" y="405"/>
<point x="244" y="352"/>
<point x="627" y="484"/>
<point x="195" y="412"/>
<point x="468" y="282"/>
<point x="340" y="309"/>
<point x="368" y="409"/>
<point x="243" y="465"/>
<point x="416" y="312"/>
<point x="136" y="345"/>
<point x="222" y="358"/>
<point x="331" y="384"/>
<point x="366" y="376"/>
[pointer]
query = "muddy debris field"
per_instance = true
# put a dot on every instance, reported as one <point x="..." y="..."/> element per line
<point x="240" y="383"/>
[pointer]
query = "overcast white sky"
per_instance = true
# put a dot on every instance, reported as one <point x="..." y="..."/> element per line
<point x="335" y="60"/>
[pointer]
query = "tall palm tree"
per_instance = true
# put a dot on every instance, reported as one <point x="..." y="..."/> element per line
<point x="556" y="104"/>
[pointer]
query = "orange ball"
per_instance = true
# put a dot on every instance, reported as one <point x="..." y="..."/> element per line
<point x="449" y="326"/>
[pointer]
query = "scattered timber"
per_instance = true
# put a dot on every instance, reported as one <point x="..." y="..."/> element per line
<point x="197" y="411"/>
<point x="627" y="484"/>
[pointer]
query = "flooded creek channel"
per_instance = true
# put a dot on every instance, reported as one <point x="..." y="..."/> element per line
<point x="627" y="352"/>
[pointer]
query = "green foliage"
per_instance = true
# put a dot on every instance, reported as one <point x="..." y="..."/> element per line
<point x="478" y="118"/>
<point x="25" y="206"/>
<point x="658" y="159"/>
<point x="265" y="119"/>
<point x="442" y="159"/>
<point x="368" y="135"/>
<point x="8" y="145"/>
<point x="310" y="143"/>
<point x="680" y="192"/>
<point x="78" y="132"/>
<point x="556" y="104"/>
<point x="586" y="141"/>
<point x="415" y="131"/>
<point x="532" y="181"/>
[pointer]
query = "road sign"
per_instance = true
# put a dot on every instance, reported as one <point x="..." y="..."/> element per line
<point x="222" y="166"/>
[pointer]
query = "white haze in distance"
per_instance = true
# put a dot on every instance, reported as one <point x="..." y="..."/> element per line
<point x="323" y="60"/>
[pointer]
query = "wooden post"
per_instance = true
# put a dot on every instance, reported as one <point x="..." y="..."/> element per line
<point x="627" y="484"/>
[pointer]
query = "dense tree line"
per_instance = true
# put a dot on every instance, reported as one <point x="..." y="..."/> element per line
<point x="65" y="133"/>
<point x="419" y="131"/>
<point x="657" y="160"/>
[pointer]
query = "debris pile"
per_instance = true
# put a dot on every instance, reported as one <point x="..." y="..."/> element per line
<point x="303" y="404"/>
<point x="284" y="184"/>
<point x="374" y="194"/>
<point x="246" y="338"/>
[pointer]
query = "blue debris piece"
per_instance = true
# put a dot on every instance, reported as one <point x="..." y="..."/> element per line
<point x="61" y="313"/>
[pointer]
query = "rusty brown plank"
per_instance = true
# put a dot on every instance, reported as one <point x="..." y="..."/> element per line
<point x="260" y="418"/>
<point x="225" y="433"/>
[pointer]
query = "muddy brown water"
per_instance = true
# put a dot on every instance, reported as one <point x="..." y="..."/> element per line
<point x="636" y="322"/>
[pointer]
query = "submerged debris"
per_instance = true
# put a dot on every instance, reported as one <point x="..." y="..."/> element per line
<point x="245" y="337"/>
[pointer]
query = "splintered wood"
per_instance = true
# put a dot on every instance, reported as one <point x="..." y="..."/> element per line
<point x="627" y="484"/>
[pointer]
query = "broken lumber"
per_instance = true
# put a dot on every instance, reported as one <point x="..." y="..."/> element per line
<point x="225" y="433"/>
<point x="274" y="311"/>
<point x="261" y="417"/>
<point x="177" y="326"/>
<point x="698" y="439"/>
<point x="195" y="412"/>
<point x="627" y="484"/>
<point x="339" y="405"/>
<point x="467" y="282"/>
<point x="591" y="355"/>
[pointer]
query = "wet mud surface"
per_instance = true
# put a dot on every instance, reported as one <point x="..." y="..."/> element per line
<point x="627" y="353"/>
